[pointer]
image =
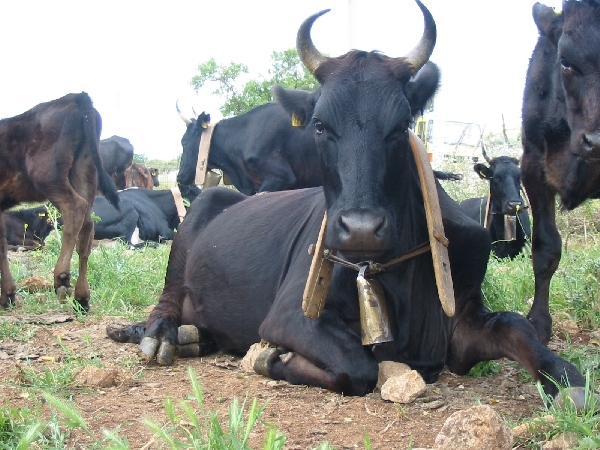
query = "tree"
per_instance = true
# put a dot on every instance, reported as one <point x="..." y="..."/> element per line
<point x="286" y="70"/>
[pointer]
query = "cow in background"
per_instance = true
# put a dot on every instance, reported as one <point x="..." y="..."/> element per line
<point x="141" y="176"/>
<point x="116" y="224"/>
<point x="145" y="215"/>
<point x="503" y="212"/>
<point x="27" y="229"/>
<point x="258" y="151"/>
<point x="51" y="153"/>
<point x="239" y="265"/>
<point x="560" y="134"/>
<point x="117" y="155"/>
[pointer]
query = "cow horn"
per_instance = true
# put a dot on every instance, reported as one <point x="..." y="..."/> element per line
<point x="419" y="55"/>
<point x="187" y="120"/>
<point x="485" y="155"/>
<point x="309" y="55"/>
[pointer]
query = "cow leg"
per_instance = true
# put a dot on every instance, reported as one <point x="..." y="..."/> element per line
<point x="73" y="209"/>
<point x="7" y="286"/>
<point x="84" y="248"/>
<point x="546" y="253"/>
<point x="323" y="352"/>
<point x="481" y="335"/>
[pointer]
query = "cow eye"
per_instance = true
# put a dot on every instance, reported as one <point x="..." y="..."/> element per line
<point x="319" y="126"/>
<point x="565" y="65"/>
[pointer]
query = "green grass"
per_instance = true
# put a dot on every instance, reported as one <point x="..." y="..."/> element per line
<point x="188" y="425"/>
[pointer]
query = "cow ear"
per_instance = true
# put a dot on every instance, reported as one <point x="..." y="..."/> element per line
<point x="421" y="87"/>
<point x="298" y="104"/>
<point x="548" y="21"/>
<point x="483" y="171"/>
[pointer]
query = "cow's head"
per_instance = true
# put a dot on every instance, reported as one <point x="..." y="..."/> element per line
<point x="154" y="175"/>
<point x="575" y="37"/>
<point x="361" y="115"/>
<point x="194" y="128"/>
<point x="504" y="176"/>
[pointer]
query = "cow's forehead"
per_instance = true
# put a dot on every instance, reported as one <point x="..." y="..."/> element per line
<point x="370" y="94"/>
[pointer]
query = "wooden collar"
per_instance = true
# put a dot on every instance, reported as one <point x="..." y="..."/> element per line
<point x="321" y="268"/>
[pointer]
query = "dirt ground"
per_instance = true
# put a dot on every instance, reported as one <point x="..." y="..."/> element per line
<point x="307" y="415"/>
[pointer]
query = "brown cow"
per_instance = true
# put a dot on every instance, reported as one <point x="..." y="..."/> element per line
<point x="51" y="153"/>
<point x="137" y="175"/>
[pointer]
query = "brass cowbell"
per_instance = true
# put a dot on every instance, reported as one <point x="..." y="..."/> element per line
<point x="510" y="227"/>
<point x="374" y="319"/>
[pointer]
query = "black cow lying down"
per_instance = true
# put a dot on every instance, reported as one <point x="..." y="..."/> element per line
<point x="238" y="265"/>
<point x="27" y="229"/>
<point x="146" y="215"/>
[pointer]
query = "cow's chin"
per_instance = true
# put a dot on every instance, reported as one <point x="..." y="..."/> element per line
<point x="571" y="201"/>
<point x="357" y="256"/>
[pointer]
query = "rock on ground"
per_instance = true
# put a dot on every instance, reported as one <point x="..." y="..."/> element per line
<point x="389" y="369"/>
<point x="475" y="428"/>
<point x="403" y="388"/>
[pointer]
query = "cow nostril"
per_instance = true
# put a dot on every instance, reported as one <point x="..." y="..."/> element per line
<point x="590" y="142"/>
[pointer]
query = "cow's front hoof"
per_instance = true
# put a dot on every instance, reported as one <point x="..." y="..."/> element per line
<point x="148" y="347"/>
<point x="9" y="300"/>
<point x="82" y="306"/>
<point x="574" y="397"/>
<point x="187" y="334"/>
<point x="63" y="292"/>
<point x="166" y="354"/>
<point x="265" y="360"/>
<point x="188" y="350"/>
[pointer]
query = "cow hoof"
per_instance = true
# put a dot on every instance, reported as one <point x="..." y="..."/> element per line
<point x="166" y="354"/>
<point x="188" y="350"/>
<point x="575" y="398"/>
<point x="63" y="292"/>
<point x="187" y="334"/>
<point x="148" y="347"/>
<point x="265" y="360"/>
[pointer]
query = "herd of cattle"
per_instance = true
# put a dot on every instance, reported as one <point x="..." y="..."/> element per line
<point x="338" y="159"/>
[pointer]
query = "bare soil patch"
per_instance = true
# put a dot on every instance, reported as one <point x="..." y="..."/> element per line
<point x="307" y="415"/>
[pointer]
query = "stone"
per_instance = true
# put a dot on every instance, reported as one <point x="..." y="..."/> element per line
<point x="35" y="284"/>
<point x="247" y="364"/>
<point x="564" y="441"/>
<point x="97" y="377"/>
<point x="403" y="388"/>
<point x="475" y="428"/>
<point x="389" y="369"/>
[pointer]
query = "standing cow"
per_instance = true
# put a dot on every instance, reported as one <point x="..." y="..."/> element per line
<point x="239" y="265"/>
<point x="51" y="153"/>
<point x="117" y="155"/>
<point x="561" y="133"/>
<point x="503" y="212"/>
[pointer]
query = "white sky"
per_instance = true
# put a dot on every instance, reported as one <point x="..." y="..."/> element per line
<point x="136" y="58"/>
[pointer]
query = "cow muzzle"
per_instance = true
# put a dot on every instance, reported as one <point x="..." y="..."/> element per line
<point x="361" y="235"/>
<point x="587" y="146"/>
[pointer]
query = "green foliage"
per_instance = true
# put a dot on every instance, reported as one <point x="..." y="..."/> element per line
<point x="208" y="433"/>
<point x="485" y="369"/>
<point x="140" y="158"/>
<point x="559" y="419"/>
<point x="164" y="166"/>
<point x="240" y="97"/>
<point x="16" y="331"/>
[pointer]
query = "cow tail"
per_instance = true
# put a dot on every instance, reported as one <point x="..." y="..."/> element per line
<point x="92" y="129"/>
